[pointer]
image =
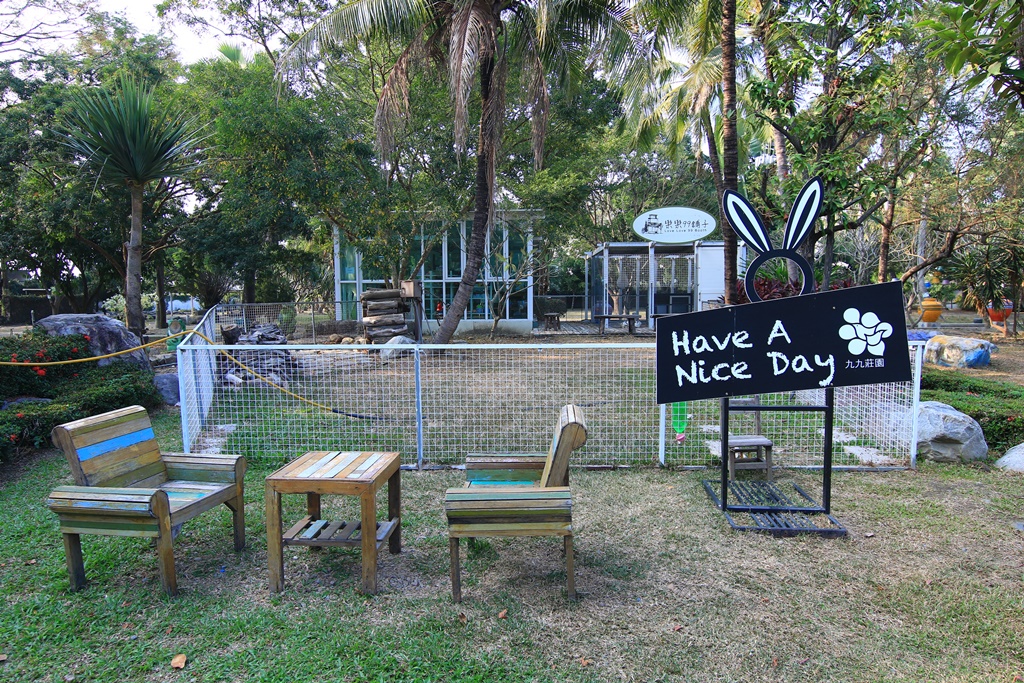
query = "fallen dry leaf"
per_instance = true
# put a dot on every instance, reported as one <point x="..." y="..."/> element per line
<point x="178" y="661"/>
<point x="869" y="535"/>
<point x="503" y="614"/>
<point x="678" y="627"/>
<point x="462" y="618"/>
<point x="585" y="662"/>
<point x="775" y="662"/>
<point x="31" y="562"/>
<point x="169" y="629"/>
<point x="3" y="658"/>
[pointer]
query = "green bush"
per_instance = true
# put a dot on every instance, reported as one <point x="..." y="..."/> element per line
<point x="38" y="347"/>
<point x="997" y="406"/>
<point x="77" y="390"/>
<point x="549" y="304"/>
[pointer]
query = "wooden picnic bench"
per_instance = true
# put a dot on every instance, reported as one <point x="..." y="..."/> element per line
<point x="518" y="495"/>
<point x="125" y="486"/>
<point x="602" y="321"/>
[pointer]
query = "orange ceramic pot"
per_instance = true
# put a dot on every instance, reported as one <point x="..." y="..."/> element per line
<point x="998" y="316"/>
<point x="931" y="309"/>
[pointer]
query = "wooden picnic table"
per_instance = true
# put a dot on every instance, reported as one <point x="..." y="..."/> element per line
<point x="345" y="473"/>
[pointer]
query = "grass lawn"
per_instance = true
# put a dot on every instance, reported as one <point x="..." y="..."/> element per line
<point x="929" y="586"/>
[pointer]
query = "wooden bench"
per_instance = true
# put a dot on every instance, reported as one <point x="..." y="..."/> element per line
<point x="602" y="321"/>
<point x="518" y="495"/>
<point x="126" y="487"/>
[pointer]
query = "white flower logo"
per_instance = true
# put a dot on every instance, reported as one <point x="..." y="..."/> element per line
<point x="864" y="332"/>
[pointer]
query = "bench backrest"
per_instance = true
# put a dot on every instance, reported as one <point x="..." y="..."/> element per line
<point x="570" y="434"/>
<point x="112" y="449"/>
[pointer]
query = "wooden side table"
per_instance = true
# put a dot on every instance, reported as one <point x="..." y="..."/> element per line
<point x="343" y="473"/>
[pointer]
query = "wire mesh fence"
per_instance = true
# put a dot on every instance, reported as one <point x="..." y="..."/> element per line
<point x="436" y="403"/>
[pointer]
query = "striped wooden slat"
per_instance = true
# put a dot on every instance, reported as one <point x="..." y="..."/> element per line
<point x="317" y="464"/>
<point x="314" y="528"/>
<point x="344" y="460"/>
<point x="361" y="469"/>
<point x="297" y="528"/>
<point x="507" y="493"/>
<point x="116" y="443"/>
<point x="77" y="525"/>
<point x="554" y="504"/>
<point x="489" y="529"/>
<point x="513" y="476"/>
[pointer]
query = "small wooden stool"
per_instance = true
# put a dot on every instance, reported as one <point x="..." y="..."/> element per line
<point x="750" y="453"/>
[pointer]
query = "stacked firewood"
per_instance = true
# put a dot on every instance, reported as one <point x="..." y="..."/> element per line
<point x="384" y="314"/>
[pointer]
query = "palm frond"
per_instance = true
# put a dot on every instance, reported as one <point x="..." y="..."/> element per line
<point x="122" y="136"/>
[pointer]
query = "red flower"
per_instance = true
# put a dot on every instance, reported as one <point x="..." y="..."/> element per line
<point x="14" y="437"/>
<point x="40" y="354"/>
<point x="86" y="337"/>
<point x="74" y="350"/>
<point x="75" y="375"/>
<point x="20" y="415"/>
<point x="14" y="356"/>
<point x="41" y="372"/>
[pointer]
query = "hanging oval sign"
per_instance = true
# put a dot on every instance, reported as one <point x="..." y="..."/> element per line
<point x="674" y="225"/>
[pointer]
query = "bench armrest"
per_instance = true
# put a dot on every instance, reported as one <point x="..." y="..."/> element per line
<point x="224" y="469"/>
<point x="105" y="500"/>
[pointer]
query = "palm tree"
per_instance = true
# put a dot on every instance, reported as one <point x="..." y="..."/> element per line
<point x="477" y="40"/>
<point x="121" y="136"/>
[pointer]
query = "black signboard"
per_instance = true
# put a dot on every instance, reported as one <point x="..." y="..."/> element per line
<point x="838" y="338"/>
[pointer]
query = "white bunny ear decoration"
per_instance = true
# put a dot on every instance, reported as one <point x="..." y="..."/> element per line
<point x="744" y="220"/>
<point x="805" y="211"/>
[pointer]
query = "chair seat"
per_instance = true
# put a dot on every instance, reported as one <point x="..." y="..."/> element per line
<point x="188" y="499"/>
<point x="509" y="511"/>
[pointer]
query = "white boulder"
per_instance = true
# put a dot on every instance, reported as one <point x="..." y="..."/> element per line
<point x="944" y="434"/>
<point x="1013" y="459"/>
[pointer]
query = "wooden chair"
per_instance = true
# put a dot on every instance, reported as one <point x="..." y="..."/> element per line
<point x="750" y="451"/>
<point x="518" y="495"/>
<point x="126" y="487"/>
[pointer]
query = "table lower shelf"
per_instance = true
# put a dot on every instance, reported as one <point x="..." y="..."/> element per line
<point x="325" y="533"/>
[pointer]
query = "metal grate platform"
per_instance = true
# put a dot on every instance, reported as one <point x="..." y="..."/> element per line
<point x="770" y="510"/>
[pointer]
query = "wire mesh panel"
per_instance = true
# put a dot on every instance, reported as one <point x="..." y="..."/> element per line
<point x="436" y="403"/>
<point x="505" y="399"/>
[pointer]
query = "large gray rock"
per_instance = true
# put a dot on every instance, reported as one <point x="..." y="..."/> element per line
<point x="167" y="385"/>
<point x="106" y="336"/>
<point x="394" y="347"/>
<point x="944" y="434"/>
<point x="959" y="352"/>
<point x="1013" y="460"/>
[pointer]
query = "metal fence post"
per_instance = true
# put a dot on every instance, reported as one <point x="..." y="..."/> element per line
<point x="419" y="408"/>
<point x="661" y="438"/>
<point x="918" y="363"/>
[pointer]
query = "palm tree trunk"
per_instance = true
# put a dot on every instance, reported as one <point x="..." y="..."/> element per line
<point x="133" y="268"/>
<point x="161" y="311"/>
<point x="477" y="241"/>
<point x="730" y="146"/>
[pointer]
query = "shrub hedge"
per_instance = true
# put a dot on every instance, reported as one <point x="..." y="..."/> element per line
<point x="997" y="406"/>
<point x="76" y="391"/>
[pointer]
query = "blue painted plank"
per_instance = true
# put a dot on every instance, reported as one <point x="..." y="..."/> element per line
<point x="117" y="443"/>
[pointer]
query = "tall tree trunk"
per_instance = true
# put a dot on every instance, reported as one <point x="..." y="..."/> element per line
<point x="477" y="242"/>
<point x="885" y="242"/>
<point x="730" y="143"/>
<point x="249" y="287"/>
<point x="133" y="268"/>
<point x="161" y="310"/>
